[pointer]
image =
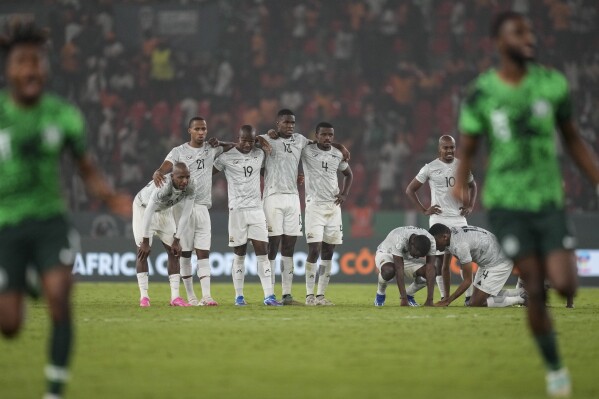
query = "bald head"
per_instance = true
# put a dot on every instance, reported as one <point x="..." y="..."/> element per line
<point x="247" y="139"/>
<point x="446" y="148"/>
<point x="180" y="175"/>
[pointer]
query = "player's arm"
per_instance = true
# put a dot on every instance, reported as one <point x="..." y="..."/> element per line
<point x="429" y="270"/>
<point x="264" y="145"/>
<point x="159" y="173"/>
<point x="585" y="159"/>
<point x="466" y="152"/>
<point x="214" y="142"/>
<point x="472" y="193"/>
<point x="348" y="178"/>
<point x="411" y="193"/>
<point x="144" y="247"/>
<point x="97" y="185"/>
<point x="399" y="279"/>
<point x="445" y="273"/>
<point x="344" y="151"/>
<point x="466" y="282"/>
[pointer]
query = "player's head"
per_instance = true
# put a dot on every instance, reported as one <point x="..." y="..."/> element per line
<point x="419" y="245"/>
<point x="513" y="36"/>
<point x="198" y="129"/>
<point x="285" y="123"/>
<point x="247" y="139"/>
<point x="26" y="61"/>
<point x="324" y="134"/>
<point x="180" y="175"/>
<point x="442" y="235"/>
<point x="446" y="148"/>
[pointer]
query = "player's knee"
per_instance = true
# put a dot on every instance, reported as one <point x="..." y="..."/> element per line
<point x="186" y="254"/>
<point x="327" y="253"/>
<point x="387" y="272"/>
<point x="565" y="288"/>
<point x="10" y="328"/>
<point x="313" y="254"/>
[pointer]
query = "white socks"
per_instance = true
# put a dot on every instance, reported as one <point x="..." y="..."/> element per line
<point x="414" y="288"/>
<point x="238" y="274"/>
<point x="503" y="301"/>
<point x="382" y="285"/>
<point x="174" y="280"/>
<point x="204" y="276"/>
<point x="264" y="272"/>
<point x="441" y="285"/>
<point x="185" y="268"/>
<point x="286" y="274"/>
<point x="324" y="275"/>
<point x="310" y="278"/>
<point x="142" y="282"/>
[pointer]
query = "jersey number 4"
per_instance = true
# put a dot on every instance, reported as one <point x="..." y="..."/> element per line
<point x="325" y="166"/>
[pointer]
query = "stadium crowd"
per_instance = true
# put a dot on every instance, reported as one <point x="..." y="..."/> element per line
<point x="388" y="74"/>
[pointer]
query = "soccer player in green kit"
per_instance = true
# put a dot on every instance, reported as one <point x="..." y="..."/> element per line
<point x="518" y="106"/>
<point x="35" y="128"/>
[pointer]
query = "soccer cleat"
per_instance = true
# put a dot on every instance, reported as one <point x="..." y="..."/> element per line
<point x="379" y="300"/>
<point x="467" y="301"/>
<point x="272" y="301"/>
<point x="310" y="300"/>
<point x="558" y="383"/>
<point x="412" y="301"/>
<point x="144" y="302"/>
<point x="288" y="300"/>
<point x="240" y="301"/>
<point x="193" y="301"/>
<point x="322" y="301"/>
<point x="178" y="301"/>
<point x="208" y="301"/>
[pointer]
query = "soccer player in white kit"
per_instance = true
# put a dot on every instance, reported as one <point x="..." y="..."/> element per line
<point x="199" y="156"/>
<point x="444" y="208"/>
<point x="473" y="244"/>
<point x="242" y="165"/>
<point x="324" y="227"/>
<point x="406" y="252"/>
<point x="152" y="215"/>
<point x="281" y="197"/>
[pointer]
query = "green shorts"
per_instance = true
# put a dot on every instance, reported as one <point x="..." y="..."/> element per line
<point x="40" y="245"/>
<point x="523" y="233"/>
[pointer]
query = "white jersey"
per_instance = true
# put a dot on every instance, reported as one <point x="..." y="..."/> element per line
<point x="397" y="242"/>
<point x="321" y="168"/>
<point x="441" y="178"/>
<point x="281" y="165"/>
<point x="473" y="244"/>
<point x="163" y="197"/>
<point x="243" y="177"/>
<point x="200" y="162"/>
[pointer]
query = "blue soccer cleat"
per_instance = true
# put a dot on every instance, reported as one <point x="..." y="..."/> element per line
<point x="379" y="300"/>
<point x="240" y="301"/>
<point x="272" y="301"/>
<point x="412" y="301"/>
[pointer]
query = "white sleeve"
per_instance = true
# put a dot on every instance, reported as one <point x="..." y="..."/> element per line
<point x="304" y="141"/>
<point x="218" y="150"/>
<point x="423" y="175"/>
<point x="462" y="252"/>
<point x="147" y="219"/>
<point x="342" y="166"/>
<point x="173" y="156"/>
<point x="433" y="250"/>
<point x="218" y="163"/>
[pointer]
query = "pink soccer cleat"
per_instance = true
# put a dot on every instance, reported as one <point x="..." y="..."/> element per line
<point x="144" y="302"/>
<point x="178" y="301"/>
<point x="208" y="301"/>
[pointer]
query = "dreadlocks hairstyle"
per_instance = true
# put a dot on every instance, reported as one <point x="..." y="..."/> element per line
<point x="21" y="32"/>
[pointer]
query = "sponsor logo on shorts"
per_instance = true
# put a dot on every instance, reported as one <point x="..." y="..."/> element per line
<point x="310" y="235"/>
<point x="231" y="239"/>
<point x="269" y="228"/>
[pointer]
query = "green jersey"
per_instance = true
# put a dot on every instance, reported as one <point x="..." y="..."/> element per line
<point x="523" y="171"/>
<point x="31" y="143"/>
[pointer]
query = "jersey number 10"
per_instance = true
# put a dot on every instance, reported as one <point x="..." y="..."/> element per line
<point x="450" y="181"/>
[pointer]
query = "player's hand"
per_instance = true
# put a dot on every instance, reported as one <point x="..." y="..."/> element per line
<point x="158" y="178"/>
<point x="143" y="251"/>
<point x="403" y="302"/>
<point x="120" y="204"/>
<point x="429" y="302"/>
<point x="442" y="303"/>
<point x="465" y="210"/>
<point x="272" y="134"/>
<point x="345" y="152"/>
<point x="266" y="147"/>
<point x="433" y="210"/>
<point x="340" y="199"/>
<point x="176" y="248"/>
<point x="213" y="142"/>
<point x="300" y="179"/>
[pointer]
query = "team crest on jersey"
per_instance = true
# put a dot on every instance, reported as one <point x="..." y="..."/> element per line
<point x="541" y="108"/>
<point x="231" y="239"/>
<point x="51" y="136"/>
<point x="310" y="235"/>
<point x="189" y="156"/>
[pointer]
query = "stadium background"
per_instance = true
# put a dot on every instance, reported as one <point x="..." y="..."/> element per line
<point x="388" y="74"/>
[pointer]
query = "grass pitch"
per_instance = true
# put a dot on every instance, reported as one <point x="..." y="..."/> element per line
<point x="352" y="350"/>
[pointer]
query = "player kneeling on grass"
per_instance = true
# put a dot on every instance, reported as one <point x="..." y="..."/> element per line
<point x="152" y="215"/>
<point x="324" y="227"/>
<point x="242" y="165"/>
<point x="473" y="244"/>
<point x="406" y="252"/>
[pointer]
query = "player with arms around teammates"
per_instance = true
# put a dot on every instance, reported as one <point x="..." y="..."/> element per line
<point x="518" y="106"/>
<point x="242" y="166"/>
<point x="153" y="215"/>
<point x="35" y="129"/>
<point x="281" y="197"/>
<point x="324" y="227"/>
<point x="444" y="208"/>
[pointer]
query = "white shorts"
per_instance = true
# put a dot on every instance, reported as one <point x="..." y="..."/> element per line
<point x="247" y="225"/>
<point x="283" y="215"/>
<point x="449" y="221"/>
<point x="163" y="225"/>
<point x="409" y="266"/>
<point x="323" y="223"/>
<point x="491" y="280"/>
<point x="198" y="233"/>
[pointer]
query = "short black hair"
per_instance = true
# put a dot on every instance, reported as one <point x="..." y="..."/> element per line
<point x="247" y="129"/>
<point x="285" y="112"/>
<point x="180" y="165"/>
<point x="438" y="229"/>
<point x="501" y="19"/>
<point x="22" y="32"/>
<point x="422" y="244"/>
<point x="325" y="125"/>
<point x="195" y="118"/>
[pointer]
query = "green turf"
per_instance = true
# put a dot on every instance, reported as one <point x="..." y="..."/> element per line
<point x="352" y="350"/>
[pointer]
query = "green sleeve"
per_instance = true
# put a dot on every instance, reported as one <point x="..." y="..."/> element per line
<point x="74" y="128"/>
<point x="470" y="120"/>
<point x="563" y="109"/>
